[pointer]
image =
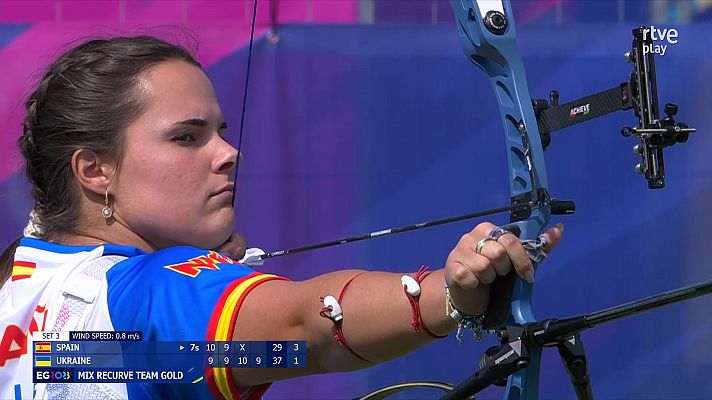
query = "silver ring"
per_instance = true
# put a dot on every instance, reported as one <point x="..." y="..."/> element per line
<point x="496" y="232"/>
<point x="481" y="244"/>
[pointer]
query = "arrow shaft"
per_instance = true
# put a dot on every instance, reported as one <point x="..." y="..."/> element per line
<point x="393" y="231"/>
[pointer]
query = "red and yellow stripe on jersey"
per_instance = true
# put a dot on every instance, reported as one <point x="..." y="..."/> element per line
<point x="221" y="328"/>
<point x="178" y="293"/>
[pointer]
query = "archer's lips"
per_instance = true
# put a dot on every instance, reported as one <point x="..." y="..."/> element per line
<point x="229" y="188"/>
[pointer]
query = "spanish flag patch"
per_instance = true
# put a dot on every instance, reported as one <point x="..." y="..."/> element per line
<point x="22" y="270"/>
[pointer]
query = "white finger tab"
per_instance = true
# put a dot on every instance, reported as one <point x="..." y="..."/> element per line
<point x="252" y="257"/>
<point x="333" y="305"/>
<point x="411" y="286"/>
<point x="544" y="238"/>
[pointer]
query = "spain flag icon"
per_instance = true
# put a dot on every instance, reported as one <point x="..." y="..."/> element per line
<point x="43" y="361"/>
<point x="43" y="347"/>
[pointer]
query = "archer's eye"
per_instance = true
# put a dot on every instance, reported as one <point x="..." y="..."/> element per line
<point x="184" y="138"/>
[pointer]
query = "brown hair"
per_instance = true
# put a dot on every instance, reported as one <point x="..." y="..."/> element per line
<point x="85" y="99"/>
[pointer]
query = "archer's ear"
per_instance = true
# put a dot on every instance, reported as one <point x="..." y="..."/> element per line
<point x="92" y="173"/>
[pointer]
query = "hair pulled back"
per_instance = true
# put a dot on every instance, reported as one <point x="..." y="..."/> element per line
<point x="85" y="100"/>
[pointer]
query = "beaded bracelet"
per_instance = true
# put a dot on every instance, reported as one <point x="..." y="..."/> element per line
<point x="464" y="321"/>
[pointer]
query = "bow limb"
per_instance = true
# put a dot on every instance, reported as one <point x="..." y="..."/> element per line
<point x="488" y="38"/>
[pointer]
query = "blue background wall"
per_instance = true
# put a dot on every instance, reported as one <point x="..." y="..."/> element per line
<point x="397" y="127"/>
<point x="353" y="128"/>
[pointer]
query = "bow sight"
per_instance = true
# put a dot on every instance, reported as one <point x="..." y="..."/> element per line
<point x="640" y="93"/>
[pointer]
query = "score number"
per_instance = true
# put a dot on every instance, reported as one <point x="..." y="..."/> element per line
<point x="255" y="354"/>
<point x="277" y="360"/>
<point x="252" y="361"/>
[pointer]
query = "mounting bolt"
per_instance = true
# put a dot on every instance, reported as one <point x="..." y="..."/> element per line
<point x="638" y="149"/>
<point x="628" y="57"/>
<point x="495" y="22"/>
<point x="640" y="169"/>
<point x="554" y="97"/>
<point x="671" y="109"/>
<point x="503" y="336"/>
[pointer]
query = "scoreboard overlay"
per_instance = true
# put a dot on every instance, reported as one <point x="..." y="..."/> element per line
<point x="109" y="357"/>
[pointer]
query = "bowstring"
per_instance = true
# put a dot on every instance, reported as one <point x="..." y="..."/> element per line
<point x="244" y="98"/>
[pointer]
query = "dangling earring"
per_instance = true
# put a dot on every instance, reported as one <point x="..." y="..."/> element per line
<point x="107" y="212"/>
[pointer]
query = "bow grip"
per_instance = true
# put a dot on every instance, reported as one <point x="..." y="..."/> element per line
<point x="500" y="294"/>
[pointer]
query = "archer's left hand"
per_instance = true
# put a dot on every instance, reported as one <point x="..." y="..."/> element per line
<point x="472" y="266"/>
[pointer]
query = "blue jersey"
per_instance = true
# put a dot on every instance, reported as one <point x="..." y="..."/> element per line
<point x="175" y="294"/>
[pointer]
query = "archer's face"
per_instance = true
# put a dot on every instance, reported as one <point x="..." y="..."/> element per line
<point x="174" y="182"/>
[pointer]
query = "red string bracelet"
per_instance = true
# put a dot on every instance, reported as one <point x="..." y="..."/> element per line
<point x="411" y="287"/>
<point x="332" y="311"/>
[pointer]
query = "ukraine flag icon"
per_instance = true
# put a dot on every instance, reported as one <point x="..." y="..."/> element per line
<point x="43" y="361"/>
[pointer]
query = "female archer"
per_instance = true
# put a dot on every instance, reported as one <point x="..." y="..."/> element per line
<point x="132" y="185"/>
